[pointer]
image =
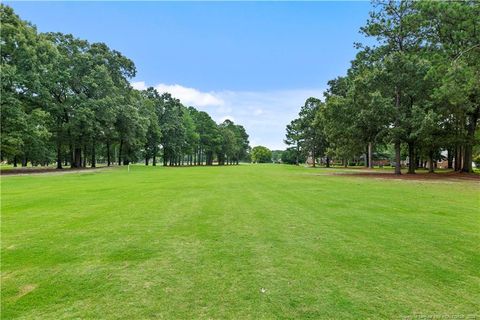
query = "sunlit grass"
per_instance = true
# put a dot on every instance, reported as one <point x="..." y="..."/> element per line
<point x="240" y="242"/>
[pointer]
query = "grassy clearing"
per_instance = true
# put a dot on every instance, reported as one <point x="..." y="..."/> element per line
<point x="244" y="242"/>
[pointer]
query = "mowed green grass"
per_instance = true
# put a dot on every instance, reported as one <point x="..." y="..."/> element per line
<point x="239" y="242"/>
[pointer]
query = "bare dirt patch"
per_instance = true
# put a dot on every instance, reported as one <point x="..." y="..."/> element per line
<point x="24" y="290"/>
<point x="22" y="171"/>
<point x="416" y="176"/>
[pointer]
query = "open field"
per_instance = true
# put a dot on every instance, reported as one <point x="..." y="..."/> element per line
<point x="240" y="242"/>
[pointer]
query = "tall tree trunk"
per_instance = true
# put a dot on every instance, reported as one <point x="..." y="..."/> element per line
<point x="154" y="159"/>
<point x="370" y="164"/>
<point x="467" y="158"/>
<point x="15" y="162"/>
<point x="411" y="157"/>
<point x="69" y="135"/>
<point x="297" y="155"/>
<point x="398" y="167"/>
<point x="468" y="155"/>
<point x="462" y="157"/>
<point x="430" y="162"/>
<point x="146" y="160"/>
<point x="108" y="154"/>
<point x="84" y="156"/>
<point x="327" y="164"/>
<point x="76" y="158"/>
<point x="366" y="163"/>
<point x="449" y="158"/>
<point x="457" y="163"/>
<point x="59" y="154"/>
<point x="94" y="160"/>
<point x="313" y="157"/>
<point x="71" y="154"/>
<point x="120" y="150"/>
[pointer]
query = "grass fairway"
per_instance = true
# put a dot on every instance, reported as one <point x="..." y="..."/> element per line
<point x="240" y="242"/>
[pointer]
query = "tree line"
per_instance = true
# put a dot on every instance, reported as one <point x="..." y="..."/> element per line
<point x="415" y="91"/>
<point x="67" y="101"/>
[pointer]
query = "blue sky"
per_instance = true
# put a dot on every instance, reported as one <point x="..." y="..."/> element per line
<point x="252" y="62"/>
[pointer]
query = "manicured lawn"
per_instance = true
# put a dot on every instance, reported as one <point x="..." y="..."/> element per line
<point x="243" y="242"/>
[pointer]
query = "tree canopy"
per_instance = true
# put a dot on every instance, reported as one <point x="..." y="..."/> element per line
<point x="415" y="89"/>
<point x="261" y="154"/>
<point x="69" y="101"/>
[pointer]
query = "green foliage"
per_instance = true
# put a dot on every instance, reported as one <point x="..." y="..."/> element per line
<point x="261" y="154"/>
<point x="416" y="88"/>
<point x="476" y="159"/>
<point x="306" y="133"/>
<point x="277" y="156"/>
<point x="292" y="156"/>
<point x="68" y="99"/>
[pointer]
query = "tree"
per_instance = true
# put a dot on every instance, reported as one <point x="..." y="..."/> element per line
<point x="172" y="129"/>
<point x="209" y="138"/>
<point x="20" y="81"/>
<point x="340" y="128"/>
<point x="191" y="135"/>
<point x="241" y="142"/>
<point x="395" y="25"/>
<point x="64" y="96"/>
<point x="293" y="137"/>
<point x="311" y="129"/>
<point x="131" y="128"/>
<point x="277" y="156"/>
<point x="417" y="88"/>
<point x="261" y="154"/>
<point x="291" y="156"/>
<point x="451" y="31"/>
<point x="227" y="149"/>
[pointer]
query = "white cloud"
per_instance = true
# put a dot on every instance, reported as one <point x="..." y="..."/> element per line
<point x="190" y="96"/>
<point x="139" y="85"/>
<point x="264" y="114"/>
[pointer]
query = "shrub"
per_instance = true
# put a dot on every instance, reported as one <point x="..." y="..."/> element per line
<point x="476" y="159"/>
